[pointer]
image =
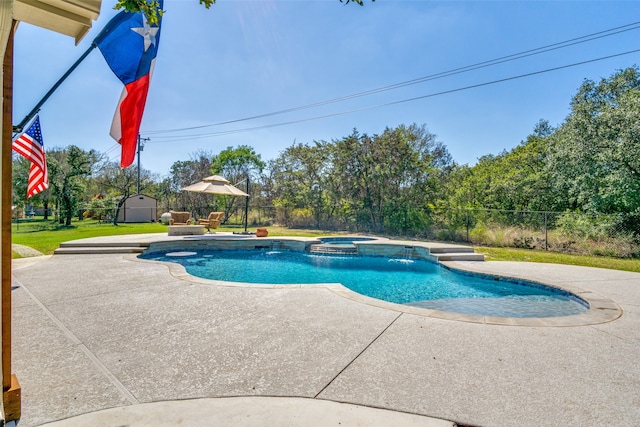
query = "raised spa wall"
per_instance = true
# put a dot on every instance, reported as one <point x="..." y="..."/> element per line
<point x="374" y="248"/>
<point x="228" y="244"/>
<point x="397" y="250"/>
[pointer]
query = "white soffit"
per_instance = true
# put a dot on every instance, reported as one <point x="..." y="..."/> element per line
<point x="70" y="17"/>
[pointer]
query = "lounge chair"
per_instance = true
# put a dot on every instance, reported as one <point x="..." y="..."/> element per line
<point x="212" y="221"/>
<point x="179" y="218"/>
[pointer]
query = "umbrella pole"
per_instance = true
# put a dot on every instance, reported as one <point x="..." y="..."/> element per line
<point x="246" y="208"/>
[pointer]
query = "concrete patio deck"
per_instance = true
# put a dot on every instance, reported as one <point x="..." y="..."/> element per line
<point x="125" y="337"/>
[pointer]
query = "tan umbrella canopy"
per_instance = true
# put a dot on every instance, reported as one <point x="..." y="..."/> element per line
<point x="215" y="184"/>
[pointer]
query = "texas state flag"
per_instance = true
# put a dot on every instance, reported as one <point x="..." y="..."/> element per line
<point x="130" y="44"/>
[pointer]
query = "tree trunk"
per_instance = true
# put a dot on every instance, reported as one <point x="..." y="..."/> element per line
<point x="68" y="216"/>
<point x="115" y="217"/>
<point x="66" y="206"/>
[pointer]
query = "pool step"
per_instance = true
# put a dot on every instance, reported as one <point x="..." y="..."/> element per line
<point x="450" y="249"/>
<point x="459" y="256"/>
<point x="455" y="253"/>
<point x="321" y="248"/>
<point x="75" y="248"/>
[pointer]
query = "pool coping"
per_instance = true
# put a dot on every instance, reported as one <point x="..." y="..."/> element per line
<point x="601" y="310"/>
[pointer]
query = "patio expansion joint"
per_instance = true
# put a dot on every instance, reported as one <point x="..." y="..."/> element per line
<point x="358" y="355"/>
<point x="76" y="341"/>
<point x="608" y="333"/>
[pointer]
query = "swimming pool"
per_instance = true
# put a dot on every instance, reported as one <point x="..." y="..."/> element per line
<point x="413" y="282"/>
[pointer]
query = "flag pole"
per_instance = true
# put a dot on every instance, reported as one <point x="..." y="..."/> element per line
<point x="20" y="126"/>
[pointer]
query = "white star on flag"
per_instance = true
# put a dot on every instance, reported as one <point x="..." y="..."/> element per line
<point x="148" y="33"/>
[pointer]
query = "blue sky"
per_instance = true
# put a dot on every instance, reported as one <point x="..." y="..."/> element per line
<point x="246" y="58"/>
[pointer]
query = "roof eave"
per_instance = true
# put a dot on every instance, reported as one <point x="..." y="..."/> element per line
<point x="70" y="17"/>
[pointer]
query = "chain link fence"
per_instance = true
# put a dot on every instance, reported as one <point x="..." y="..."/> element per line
<point x="616" y="235"/>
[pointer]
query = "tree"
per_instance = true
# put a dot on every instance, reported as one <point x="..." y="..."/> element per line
<point x="300" y="175"/>
<point x="595" y="156"/>
<point x="151" y="8"/>
<point x="21" y="167"/>
<point x="68" y="171"/>
<point x="513" y="180"/>
<point x="391" y="177"/>
<point x="120" y="183"/>
<point x="543" y="129"/>
<point x="367" y="183"/>
<point x="235" y="165"/>
<point x="183" y="173"/>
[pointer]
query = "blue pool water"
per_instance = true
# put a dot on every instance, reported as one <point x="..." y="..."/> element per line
<point x="403" y="281"/>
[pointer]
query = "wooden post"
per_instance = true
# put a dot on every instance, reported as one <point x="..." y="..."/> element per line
<point x="5" y="229"/>
<point x="10" y="385"/>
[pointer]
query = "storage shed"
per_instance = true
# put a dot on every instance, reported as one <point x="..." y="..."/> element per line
<point x="139" y="208"/>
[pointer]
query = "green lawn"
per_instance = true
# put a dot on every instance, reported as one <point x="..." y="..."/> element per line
<point x="528" y="255"/>
<point x="46" y="236"/>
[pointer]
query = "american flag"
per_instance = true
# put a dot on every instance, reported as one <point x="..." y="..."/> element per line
<point x="30" y="146"/>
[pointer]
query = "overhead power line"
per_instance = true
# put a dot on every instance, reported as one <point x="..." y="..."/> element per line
<point x="473" y="67"/>
<point x="250" y="129"/>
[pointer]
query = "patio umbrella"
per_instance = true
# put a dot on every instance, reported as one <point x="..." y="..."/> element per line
<point x="216" y="184"/>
